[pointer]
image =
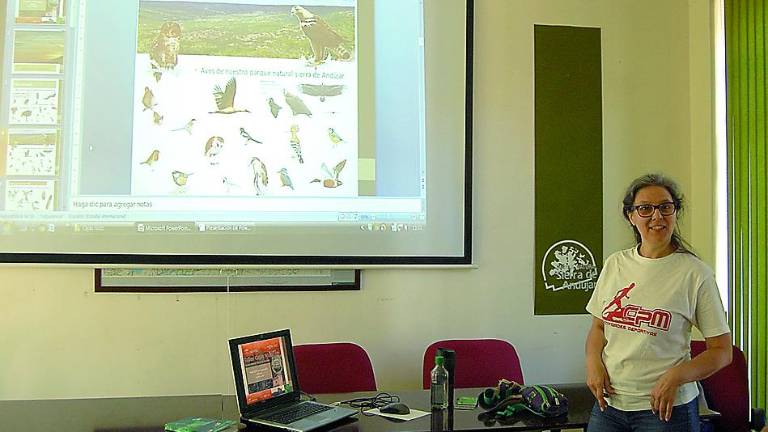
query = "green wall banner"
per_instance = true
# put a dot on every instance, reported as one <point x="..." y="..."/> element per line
<point x="746" y="32"/>
<point x="568" y="167"/>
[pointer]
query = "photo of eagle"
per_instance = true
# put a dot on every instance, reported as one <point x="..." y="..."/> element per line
<point x="323" y="39"/>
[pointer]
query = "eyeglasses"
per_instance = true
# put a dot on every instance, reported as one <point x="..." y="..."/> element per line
<point x="646" y="210"/>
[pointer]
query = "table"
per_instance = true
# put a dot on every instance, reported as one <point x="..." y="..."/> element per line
<point x="149" y="414"/>
<point x="580" y="401"/>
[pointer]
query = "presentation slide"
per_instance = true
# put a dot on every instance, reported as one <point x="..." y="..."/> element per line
<point x="263" y="369"/>
<point x="241" y="128"/>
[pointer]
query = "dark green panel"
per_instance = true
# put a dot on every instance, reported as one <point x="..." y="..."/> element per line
<point x="568" y="163"/>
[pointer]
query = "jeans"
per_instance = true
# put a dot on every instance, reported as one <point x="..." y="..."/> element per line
<point x="685" y="418"/>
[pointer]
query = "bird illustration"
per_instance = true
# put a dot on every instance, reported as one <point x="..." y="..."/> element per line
<point x="180" y="177"/>
<point x="296" y="105"/>
<point x="248" y="137"/>
<point x="156" y="118"/>
<point x="335" y="138"/>
<point x="228" y="184"/>
<point x="332" y="179"/>
<point x="213" y="147"/>
<point x="26" y="114"/>
<point x="285" y="180"/>
<point x="187" y="127"/>
<point x="322" y="38"/>
<point x="260" y="176"/>
<point x="274" y="108"/>
<point x="321" y="90"/>
<point x="153" y="157"/>
<point x="148" y="100"/>
<point x="225" y="100"/>
<point x="296" y="142"/>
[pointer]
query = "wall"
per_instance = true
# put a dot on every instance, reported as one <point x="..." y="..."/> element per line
<point x="58" y="339"/>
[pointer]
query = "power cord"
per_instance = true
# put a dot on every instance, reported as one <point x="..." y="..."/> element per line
<point x="366" y="403"/>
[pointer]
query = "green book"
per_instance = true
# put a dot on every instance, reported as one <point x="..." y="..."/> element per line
<point x="199" y="424"/>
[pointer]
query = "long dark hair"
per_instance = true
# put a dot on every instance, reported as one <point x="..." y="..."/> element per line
<point x="677" y="197"/>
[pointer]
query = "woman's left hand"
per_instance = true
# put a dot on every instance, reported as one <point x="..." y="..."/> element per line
<point x="664" y="393"/>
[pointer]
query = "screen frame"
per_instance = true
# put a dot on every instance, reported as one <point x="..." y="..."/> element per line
<point x="300" y="260"/>
<point x="234" y="345"/>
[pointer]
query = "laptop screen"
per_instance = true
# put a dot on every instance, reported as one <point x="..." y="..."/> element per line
<point x="263" y="368"/>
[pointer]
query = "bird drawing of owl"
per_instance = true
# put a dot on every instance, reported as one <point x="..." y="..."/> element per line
<point x="322" y="38"/>
<point x="164" y="52"/>
<point x="213" y="147"/>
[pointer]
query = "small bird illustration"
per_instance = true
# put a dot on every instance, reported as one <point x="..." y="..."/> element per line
<point x="228" y="184"/>
<point x="156" y="118"/>
<point x="187" y="127"/>
<point x="332" y="179"/>
<point x="296" y="142"/>
<point x="213" y="147"/>
<point x="274" y="108"/>
<point x="322" y="91"/>
<point x="156" y="71"/>
<point x="225" y="99"/>
<point x="153" y="157"/>
<point x="180" y="177"/>
<point x="285" y="180"/>
<point x="260" y="176"/>
<point x="296" y="105"/>
<point x="335" y="138"/>
<point x="26" y="114"/>
<point x="148" y="100"/>
<point x="248" y="137"/>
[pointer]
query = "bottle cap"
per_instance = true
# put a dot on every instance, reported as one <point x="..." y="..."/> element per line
<point x="439" y="360"/>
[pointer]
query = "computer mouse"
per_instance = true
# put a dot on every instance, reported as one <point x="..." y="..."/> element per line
<point x="395" y="408"/>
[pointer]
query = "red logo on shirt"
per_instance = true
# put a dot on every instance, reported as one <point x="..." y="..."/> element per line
<point x="633" y="315"/>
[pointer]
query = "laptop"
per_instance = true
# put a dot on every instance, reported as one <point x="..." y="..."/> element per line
<point x="267" y="387"/>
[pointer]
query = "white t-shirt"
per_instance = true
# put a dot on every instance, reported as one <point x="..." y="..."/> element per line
<point x="648" y="307"/>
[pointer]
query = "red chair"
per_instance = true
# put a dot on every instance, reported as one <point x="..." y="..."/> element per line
<point x="727" y="392"/>
<point x="333" y="368"/>
<point x="479" y="362"/>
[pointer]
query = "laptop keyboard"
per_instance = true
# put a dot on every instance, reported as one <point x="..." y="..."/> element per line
<point x="300" y="411"/>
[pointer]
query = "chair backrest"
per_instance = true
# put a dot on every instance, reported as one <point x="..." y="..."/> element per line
<point x="333" y="368"/>
<point x="479" y="362"/>
<point x="727" y="391"/>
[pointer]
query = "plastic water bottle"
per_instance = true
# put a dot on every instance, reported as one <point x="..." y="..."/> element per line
<point x="439" y="385"/>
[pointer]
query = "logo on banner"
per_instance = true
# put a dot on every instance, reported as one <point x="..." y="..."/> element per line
<point x="569" y="265"/>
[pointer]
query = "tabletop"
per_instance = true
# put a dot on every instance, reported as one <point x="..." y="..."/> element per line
<point x="149" y="414"/>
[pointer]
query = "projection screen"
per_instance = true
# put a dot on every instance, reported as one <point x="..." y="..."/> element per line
<point x="242" y="132"/>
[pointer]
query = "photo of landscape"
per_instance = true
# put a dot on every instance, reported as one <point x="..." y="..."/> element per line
<point x="38" y="51"/>
<point x="239" y="30"/>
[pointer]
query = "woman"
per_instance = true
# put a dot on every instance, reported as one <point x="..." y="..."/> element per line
<point x="646" y="301"/>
